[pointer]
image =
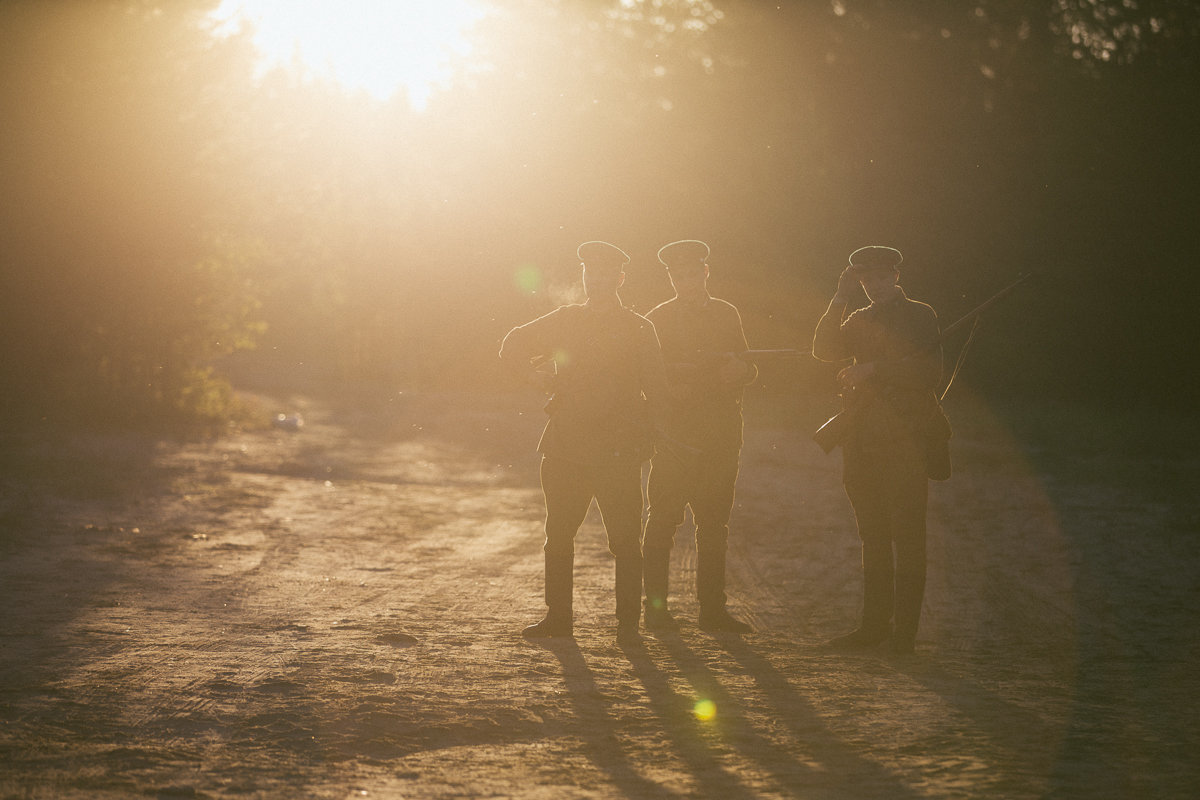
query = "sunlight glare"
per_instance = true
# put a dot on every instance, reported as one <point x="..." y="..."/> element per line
<point x="376" y="46"/>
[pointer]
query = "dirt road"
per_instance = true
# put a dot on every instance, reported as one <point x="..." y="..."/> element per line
<point x="334" y="612"/>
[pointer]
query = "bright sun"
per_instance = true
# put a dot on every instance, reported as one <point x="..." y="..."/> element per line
<point x="377" y="46"/>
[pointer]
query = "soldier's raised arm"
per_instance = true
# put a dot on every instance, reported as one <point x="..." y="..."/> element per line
<point x="830" y="341"/>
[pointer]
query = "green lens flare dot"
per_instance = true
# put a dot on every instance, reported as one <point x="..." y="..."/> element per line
<point x="528" y="278"/>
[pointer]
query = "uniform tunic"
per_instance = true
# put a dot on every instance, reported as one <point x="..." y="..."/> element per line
<point x="706" y="414"/>
<point x="694" y="337"/>
<point x="608" y="364"/>
<point x="900" y="339"/>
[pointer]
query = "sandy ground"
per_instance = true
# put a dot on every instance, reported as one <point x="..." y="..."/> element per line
<point x="335" y="612"/>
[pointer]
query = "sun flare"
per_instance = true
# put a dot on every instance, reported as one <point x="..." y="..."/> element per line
<point x="375" y="46"/>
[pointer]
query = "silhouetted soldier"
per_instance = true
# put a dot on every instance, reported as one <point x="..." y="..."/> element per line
<point x="701" y="338"/>
<point x="890" y="395"/>
<point x="607" y="381"/>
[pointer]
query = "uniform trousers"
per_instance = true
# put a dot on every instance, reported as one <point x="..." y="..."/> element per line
<point x="706" y="485"/>
<point x="889" y="492"/>
<point x="569" y="488"/>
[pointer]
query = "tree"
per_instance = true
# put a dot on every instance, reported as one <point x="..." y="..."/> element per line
<point x="118" y="288"/>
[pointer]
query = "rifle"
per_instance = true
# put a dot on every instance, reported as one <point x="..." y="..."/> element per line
<point x="763" y="356"/>
<point x="705" y="360"/>
<point x="837" y="427"/>
<point x="984" y="306"/>
<point x="705" y="357"/>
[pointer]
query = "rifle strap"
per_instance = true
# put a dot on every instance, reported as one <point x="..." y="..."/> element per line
<point x="962" y="357"/>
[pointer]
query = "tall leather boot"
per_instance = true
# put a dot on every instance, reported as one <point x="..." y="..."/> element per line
<point x="710" y="591"/>
<point x="878" y="600"/>
<point x="629" y="593"/>
<point x="656" y="571"/>
<point x="560" y="586"/>
<point x="910" y="595"/>
<point x="629" y="590"/>
<point x="878" y="604"/>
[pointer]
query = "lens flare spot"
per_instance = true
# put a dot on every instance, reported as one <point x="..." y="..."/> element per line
<point x="528" y="278"/>
<point x="705" y="710"/>
<point x="562" y="358"/>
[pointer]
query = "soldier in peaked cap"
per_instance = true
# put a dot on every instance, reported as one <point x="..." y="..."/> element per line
<point x="890" y="393"/>
<point x="602" y="254"/>
<point x="701" y="338"/>
<point x="874" y="257"/>
<point x="602" y="366"/>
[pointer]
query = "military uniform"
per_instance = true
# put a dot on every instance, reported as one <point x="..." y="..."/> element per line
<point x="706" y="416"/>
<point x="885" y="451"/>
<point x="609" y="369"/>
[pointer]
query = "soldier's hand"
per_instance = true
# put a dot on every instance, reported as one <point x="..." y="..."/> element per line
<point x="546" y="381"/>
<point x="848" y="286"/>
<point x="733" y="369"/>
<point x="853" y="376"/>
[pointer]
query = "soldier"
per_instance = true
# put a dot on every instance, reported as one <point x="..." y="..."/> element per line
<point x="890" y="395"/>
<point x="606" y="381"/>
<point x="701" y="338"/>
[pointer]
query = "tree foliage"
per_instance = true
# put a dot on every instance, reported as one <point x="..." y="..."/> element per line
<point x="117" y="291"/>
<point x="166" y="210"/>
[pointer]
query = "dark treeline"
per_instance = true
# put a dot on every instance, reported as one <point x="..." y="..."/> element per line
<point x="168" y="218"/>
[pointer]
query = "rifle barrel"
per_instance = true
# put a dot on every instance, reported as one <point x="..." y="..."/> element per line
<point x="751" y="355"/>
<point x="984" y="306"/>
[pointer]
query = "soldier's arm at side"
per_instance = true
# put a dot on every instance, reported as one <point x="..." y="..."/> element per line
<point x="748" y="372"/>
<point x="653" y="373"/>
<point x="678" y="375"/>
